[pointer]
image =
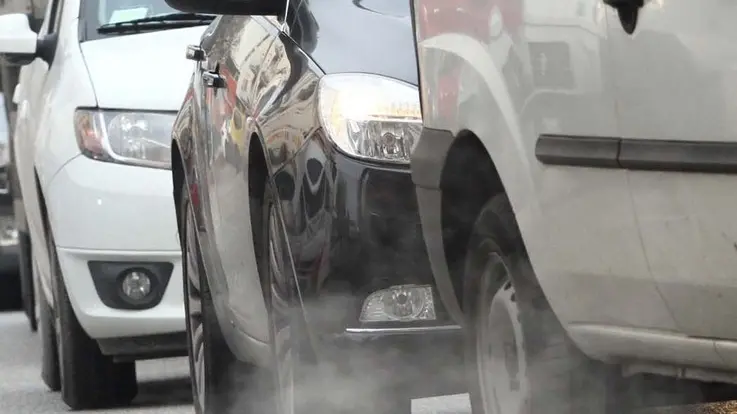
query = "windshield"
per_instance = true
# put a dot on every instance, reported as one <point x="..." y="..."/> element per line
<point x="116" y="11"/>
<point x="96" y="13"/>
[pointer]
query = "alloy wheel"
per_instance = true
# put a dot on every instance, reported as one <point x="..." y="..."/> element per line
<point x="280" y="318"/>
<point x="501" y="362"/>
<point x="194" y="314"/>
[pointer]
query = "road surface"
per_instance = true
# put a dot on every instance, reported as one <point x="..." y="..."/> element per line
<point x="164" y="384"/>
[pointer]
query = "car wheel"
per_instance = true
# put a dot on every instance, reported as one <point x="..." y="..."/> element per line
<point x="25" y="259"/>
<point x="49" y="357"/>
<point x="518" y="356"/>
<point x="279" y="303"/>
<point x="221" y="384"/>
<point x="89" y="379"/>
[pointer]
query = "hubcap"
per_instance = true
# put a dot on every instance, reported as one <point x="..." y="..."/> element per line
<point x="194" y="302"/>
<point x="501" y="362"/>
<point x="280" y="324"/>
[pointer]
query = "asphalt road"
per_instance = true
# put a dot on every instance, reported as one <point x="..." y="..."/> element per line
<point x="164" y="384"/>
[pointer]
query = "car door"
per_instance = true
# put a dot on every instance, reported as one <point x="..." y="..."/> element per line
<point x="234" y="65"/>
<point x="676" y="83"/>
<point x="586" y="223"/>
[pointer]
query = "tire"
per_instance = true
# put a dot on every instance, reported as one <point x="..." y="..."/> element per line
<point x="545" y="373"/>
<point x="49" y="355"/>
<point x="503" y="301"/>
<point x="89" y="379"/>
<point x="221" y="384"/>
<point x="25" y="263"/>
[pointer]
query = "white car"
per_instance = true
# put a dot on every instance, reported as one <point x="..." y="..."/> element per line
<point x="97" y="100"/>
<point x="579" y="210"/>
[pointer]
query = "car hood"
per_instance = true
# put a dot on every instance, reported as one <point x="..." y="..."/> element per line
<point x="368" y="36"/>
<point x="141" y="71"/>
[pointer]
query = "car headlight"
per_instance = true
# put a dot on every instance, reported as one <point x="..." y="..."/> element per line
<point x="370" y="117"/>
<point x="125" y="137"/>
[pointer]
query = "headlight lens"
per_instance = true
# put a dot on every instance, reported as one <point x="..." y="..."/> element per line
<point x="125" y="137"/>
<point x="370" y="116"/>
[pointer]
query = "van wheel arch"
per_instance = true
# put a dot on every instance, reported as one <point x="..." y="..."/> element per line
<point x="468" y="180"/>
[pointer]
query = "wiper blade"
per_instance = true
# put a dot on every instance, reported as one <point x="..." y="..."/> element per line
<point x="156" y="22"/>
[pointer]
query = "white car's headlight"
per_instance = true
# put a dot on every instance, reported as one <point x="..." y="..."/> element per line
<point x="370" y="117"/>
<point x="126" y="137"/>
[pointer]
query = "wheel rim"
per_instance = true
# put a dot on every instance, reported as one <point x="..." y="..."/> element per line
<point x="280" y="326"/>
<point x="501" y="362"/>
<point x="194" y="313"/>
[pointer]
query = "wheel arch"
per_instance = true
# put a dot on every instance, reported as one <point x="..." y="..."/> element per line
<point x="258" y="176"/>
<point x="462" y="199"/>
<point x="45" y="230"/>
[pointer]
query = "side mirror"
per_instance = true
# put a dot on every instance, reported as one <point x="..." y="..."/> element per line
<point x="234" y="7"/>
<point x="17" y="41"/>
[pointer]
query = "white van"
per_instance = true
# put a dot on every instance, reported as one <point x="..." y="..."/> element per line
<point x="96" y="101"/>
<point x="576" y="184"/>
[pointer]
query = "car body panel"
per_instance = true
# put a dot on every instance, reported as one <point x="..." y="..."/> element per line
<point x="39" y="154"/>
<point x="676" y="81"/>
<point x="86" y="200"/>
<point x="121" y="86"/>
<point x="341" y="241"/>
<point x="651" y="249"/>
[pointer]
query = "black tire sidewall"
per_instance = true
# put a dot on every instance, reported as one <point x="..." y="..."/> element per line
<point x="184" y="209"/>
<point x="49" y="355"/>
<point x="88" y="378"/>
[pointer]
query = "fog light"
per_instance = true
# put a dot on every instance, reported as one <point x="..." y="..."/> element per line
<point x="136" y="286"/>
<point x="403" y="303"/>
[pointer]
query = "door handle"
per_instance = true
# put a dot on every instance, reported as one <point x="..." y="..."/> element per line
<point x="213" y="79"/>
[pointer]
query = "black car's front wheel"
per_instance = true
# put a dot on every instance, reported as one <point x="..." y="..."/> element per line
<point x="221" y="384"/>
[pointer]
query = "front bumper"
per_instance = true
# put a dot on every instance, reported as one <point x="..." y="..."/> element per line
<point x="362" y="234"/>
<point x="410" y="363"/>
<point x="114" y="214"/>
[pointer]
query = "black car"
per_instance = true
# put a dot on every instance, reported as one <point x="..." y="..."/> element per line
<point x="306" y="276"/>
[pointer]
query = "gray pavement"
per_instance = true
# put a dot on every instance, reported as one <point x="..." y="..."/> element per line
<point x="164" y="384"/>
<point x="164" y="388"/>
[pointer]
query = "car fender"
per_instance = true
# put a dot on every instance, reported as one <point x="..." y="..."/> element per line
<point x="512" y="156"/>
